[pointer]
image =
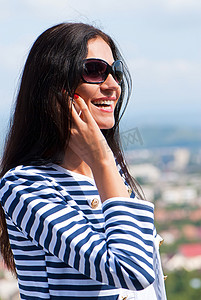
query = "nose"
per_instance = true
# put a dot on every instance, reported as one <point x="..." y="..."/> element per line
<point x="110" y="84"/>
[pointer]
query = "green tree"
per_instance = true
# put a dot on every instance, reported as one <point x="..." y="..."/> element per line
<point x="178" y="286"/>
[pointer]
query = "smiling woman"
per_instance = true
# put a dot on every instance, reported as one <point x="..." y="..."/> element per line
<point x="72" y="223"/>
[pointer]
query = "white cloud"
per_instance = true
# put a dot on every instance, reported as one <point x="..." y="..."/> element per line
<point x="175" y="81"/>
<point x="167" y="69"/>
<point x="91" y="10"/>
<point x="5" y="11"/>
<point x="12" y="57"/>
<point x="76" y="6"/>
<point x="183" y="5"/>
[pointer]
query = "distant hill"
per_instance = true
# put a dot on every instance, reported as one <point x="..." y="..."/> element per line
<point x="161" y="136"/>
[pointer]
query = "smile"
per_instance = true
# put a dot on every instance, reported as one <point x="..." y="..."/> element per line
<point x="104" y="105"/>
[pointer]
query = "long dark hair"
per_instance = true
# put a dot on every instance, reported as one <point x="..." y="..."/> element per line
<point x="41" y="124"/>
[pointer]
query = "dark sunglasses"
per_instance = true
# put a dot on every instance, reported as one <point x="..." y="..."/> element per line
<point x="96" y="70"/>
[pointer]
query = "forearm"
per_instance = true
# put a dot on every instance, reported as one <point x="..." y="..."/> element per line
<point x="108" y="180"/>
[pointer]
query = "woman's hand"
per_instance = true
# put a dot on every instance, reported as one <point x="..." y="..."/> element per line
<point x="87" y="140"/>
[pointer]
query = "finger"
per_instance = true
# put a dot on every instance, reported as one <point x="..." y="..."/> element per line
<point x="76" y="112"/>
<point x="86" y="115"/>
<point x="77" y="108"/>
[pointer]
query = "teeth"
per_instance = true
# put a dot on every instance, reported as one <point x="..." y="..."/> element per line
<point x="104" y="102"/>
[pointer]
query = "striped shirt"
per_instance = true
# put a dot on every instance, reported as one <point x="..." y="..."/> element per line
<point x="68" y="245"/>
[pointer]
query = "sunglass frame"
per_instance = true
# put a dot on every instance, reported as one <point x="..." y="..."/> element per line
<point x="110" y="69"/>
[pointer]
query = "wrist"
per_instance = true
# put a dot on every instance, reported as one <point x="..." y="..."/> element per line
<point x="108" y="180"/>
<point x="105" y="161"/>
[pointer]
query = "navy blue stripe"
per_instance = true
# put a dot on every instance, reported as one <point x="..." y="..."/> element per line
<point x="128" y="204"/>
<point x="61" y="231"/>
<point x="29" y="257"/>
<point x="2" y="183"/>
<point x="120" y="275"/>
<point x="83" y="193"/>
<point x="24" y="210"/>
<point x="68" y="216"/>
<point x="144" y="230"/>
<point x="129" y="214"/>
<point x="69" y="275"/>
<point x="31" y="288"/>
<point x="107" y="270"/>
<point x="27" y="268"/>
<point x="137" y="267"/>
<point x="25" y="248"/>
<point x="131" y="233"/>
<point x="75" y="183"/>
<point x="34" y="277"/>
<point x="87" y="256"/>
<point x="130" y="243"/>
<point x="97" y="260"/>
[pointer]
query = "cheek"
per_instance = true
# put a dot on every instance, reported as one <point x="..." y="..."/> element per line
<point x="86" y="91"/>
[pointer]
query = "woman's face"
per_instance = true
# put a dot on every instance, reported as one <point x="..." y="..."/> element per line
<point x="101" y="98"/>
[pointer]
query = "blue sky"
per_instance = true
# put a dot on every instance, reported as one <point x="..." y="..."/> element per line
<point x="160" y="40"/>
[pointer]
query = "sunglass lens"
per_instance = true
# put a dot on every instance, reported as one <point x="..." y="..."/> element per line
<point x="94" y="71"/>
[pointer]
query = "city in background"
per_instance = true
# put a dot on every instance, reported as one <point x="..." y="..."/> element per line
<point x="170" y="175"/>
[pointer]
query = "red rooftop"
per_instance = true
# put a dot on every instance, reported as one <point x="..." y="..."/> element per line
<point x="190" y="250"/>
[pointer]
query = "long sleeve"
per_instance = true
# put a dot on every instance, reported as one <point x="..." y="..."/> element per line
<point x="121" y="256"/>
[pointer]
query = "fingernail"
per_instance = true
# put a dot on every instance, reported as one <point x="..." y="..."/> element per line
<point x="75" y="96"/>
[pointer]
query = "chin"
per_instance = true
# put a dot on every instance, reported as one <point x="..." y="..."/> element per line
<point x="106" y="126"/>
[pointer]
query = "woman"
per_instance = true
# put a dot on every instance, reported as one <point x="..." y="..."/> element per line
<point x="74" y="229"/>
